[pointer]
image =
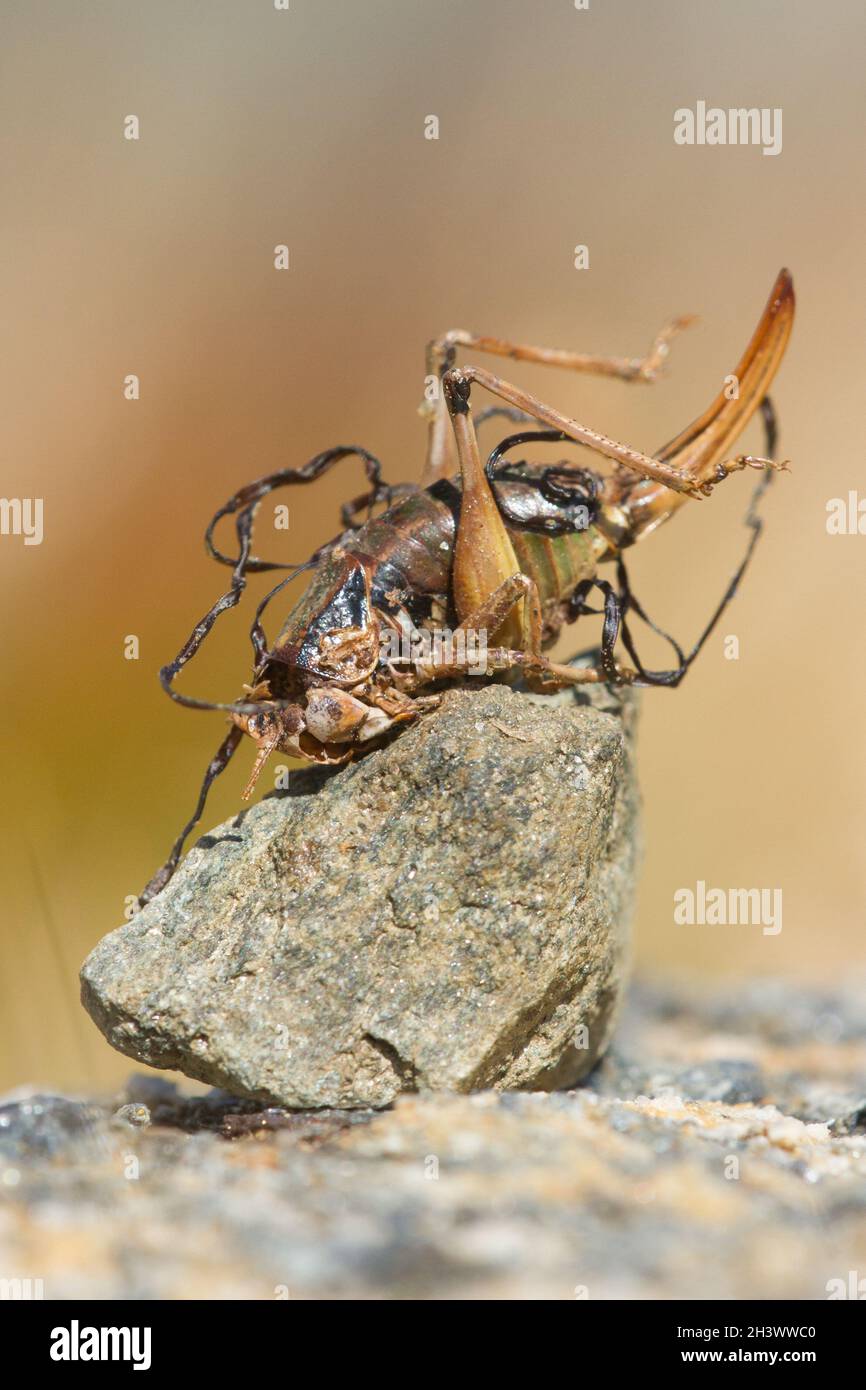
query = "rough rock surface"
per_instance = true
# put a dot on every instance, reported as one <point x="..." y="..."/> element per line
<point x="449" y="912"/>
<point x="719" y="1151"/>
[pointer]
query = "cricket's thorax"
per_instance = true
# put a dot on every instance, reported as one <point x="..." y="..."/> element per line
<point x="397" y="569"/>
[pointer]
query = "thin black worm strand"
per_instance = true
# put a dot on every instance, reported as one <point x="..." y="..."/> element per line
<point x="230" y="599"/>
<point x="309" y="472"/>
<point x="506" y="412"/>
<point x="754" y="522"/>
<point x="218" y="763"/>
<point x="244" y="505"/>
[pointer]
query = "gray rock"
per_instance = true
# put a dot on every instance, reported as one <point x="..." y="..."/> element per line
<point x="131" y="1116"/>
<point x="449" y="912"/>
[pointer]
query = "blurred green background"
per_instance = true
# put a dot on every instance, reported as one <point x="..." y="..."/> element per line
<point x="155" y="257"/>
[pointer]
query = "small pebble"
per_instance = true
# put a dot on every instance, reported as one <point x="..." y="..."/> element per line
<point x="133" y="1116"/>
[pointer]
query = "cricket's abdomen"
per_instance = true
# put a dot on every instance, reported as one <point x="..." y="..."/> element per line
<point x="412" y="546"/>
<point x="398" y="562"/>
<point x="407" y="556"/>
<point x="556" y="563"/>
<point x="409" y="549"/>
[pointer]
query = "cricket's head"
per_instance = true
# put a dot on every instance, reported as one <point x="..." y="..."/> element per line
<point x="321" y="728"/>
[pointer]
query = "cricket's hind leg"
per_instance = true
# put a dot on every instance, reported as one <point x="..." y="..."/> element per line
<point x="485" y="562"/>
<point x="690" y="465"/>
<point x="442" y="353"/>
<point x="458" y="382"/>
<point x="491" y="594"/>
<point x="486" y="579"/>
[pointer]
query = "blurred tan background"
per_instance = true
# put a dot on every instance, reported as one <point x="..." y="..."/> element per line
<point x="155" y="257"/>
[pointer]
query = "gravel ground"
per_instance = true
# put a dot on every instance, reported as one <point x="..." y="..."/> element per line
<point x="719" y="1151"/>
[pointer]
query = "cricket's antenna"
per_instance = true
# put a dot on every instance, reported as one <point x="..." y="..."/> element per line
<point x="265" y="751"/>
